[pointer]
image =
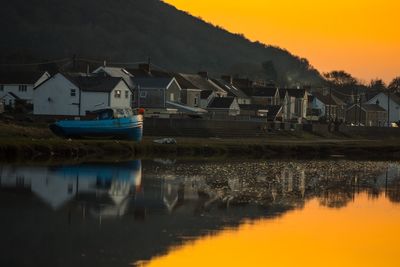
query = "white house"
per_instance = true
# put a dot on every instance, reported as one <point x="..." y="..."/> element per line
<point x="226" y="106"/>
<point x="393" y="105"/>
<point x="74" y="94"/>
<point x="20" y="85"/>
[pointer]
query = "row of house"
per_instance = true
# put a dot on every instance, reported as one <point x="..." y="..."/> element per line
<point x="164" y="93"/>
<point x="372" y="111"/>
<point x="161" y="93"/>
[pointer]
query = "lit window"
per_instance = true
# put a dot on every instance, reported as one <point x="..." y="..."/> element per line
<point x="117" y="94"/>
<point x="73" y="92"/>
<point x="172" y="97"/>
<point x="126" y="94"/>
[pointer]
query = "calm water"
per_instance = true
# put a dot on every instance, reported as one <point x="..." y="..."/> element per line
<point x="201" y="213"/>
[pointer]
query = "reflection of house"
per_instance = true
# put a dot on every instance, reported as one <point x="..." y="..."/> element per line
<point x="58" y="185"/>
<point x="226" y="106"/>
<point x="20" y="84"/>
<point x="367" y="114"/>
<point x="74" y="95"/>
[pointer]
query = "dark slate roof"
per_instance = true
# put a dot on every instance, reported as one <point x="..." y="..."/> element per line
<point x="254" y="107"/>
<point x="325" y="99"/>
<point x="118" y="73"/>
<point x="94" y="83"/>
<point x="153" y="73"/>
<point x="273" y="111"/>
<point x="221" y="102"/>
<point x="265" y="92"/>
<point x="152" y="82"/>
<point x="205" y="94"/>
<point x="242" y="83"/>
<point x="201" y="83"/>
<point x="12" y="94"/>
<point x="229" y="88"/>
<point x="297" y="93"/>
<point x="372" y="107"/>
<point x="184" y="83"/>
<point x="20" y="77"/>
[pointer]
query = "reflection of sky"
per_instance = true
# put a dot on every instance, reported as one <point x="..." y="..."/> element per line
<point x="364" y="233"/>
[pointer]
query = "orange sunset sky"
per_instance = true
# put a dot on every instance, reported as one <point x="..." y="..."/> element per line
<point x="361" y="37"/>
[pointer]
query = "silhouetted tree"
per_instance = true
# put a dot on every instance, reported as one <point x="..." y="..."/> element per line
<point x="340" y="78"/>
<point x="377" y="84"/>
<point x="394" y="85"/>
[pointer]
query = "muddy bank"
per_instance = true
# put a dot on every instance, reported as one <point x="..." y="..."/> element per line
<point x="55" y="148"/>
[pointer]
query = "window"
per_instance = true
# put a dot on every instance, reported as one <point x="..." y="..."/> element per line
<point x="1" y="87"/>
<point x="117" y="94"/>
<point x="172" y="97"/>
<point x="196" y="100"/>
<point x="73" y="92"/>
<point x="22" y="88"/>
<point x="126" y="94"/>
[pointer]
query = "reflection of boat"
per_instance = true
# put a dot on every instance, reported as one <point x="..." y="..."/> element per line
<point x="110" y="122"/>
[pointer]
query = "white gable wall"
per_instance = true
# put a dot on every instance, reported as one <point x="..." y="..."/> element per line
<point x="123" y="101"/>
<point x="54" y="97"/>
<point x="93" y="100"/>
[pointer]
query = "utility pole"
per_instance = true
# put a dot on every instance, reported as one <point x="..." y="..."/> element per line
<point x="330" y="103"/>
<point x="356" y="109"/>
<point x="388" y="112"/>
<point x="360" y="101"/>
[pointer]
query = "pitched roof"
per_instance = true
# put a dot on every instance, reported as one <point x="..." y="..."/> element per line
<point x="372" y="107"/>
<point x="230" y="88"/>
<point x="116" y="72"/>
<point x="265" y="92"/>
<point x="325" y="99"/>
<point x="138" y="72"/>
<point x="252" y="107"/>
<point x="282" y="93"/>
<point x="94" y="83"/>
<point x="12" y="95"/>
<point x="368" y="107"/>
<point x="20" y="77"/>
<point x="152" y="82"/>
<point x="201" y="83"/>
<point x="221" y="102"/>
<point x="297" y="93"/>
<point x="205" y="94"/>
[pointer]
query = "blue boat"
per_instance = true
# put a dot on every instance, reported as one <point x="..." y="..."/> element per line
<point x="121" y="123"/>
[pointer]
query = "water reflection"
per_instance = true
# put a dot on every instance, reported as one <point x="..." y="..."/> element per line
<point x="120" y="213"/>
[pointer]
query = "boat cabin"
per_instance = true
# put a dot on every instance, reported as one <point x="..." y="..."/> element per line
<point x="111" y="113"/>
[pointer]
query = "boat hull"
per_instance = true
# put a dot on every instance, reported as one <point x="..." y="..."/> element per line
<point x="122" y="128"/>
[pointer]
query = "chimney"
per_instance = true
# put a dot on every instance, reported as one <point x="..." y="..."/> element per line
<point x="227" y="78"/>
<point x="145" y="67"/>
<point x="203" y="74"/>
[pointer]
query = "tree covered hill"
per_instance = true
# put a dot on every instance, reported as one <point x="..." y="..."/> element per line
<point x="133" y="30"/>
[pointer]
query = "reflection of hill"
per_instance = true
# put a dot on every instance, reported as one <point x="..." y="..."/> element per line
<point x="186" y="199"/>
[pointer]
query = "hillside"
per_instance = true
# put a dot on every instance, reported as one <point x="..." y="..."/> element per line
<point x="133" y="30"/>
